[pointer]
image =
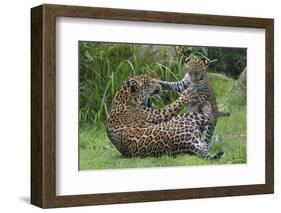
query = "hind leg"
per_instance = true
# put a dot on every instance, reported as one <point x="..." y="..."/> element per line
<point x="201" y="152"/>
<point x="201" y="147"/>
<point x="191" y="142"/>
<point x="208" y="133"/>
<point x="204" y="130"/>
<point x="198" y="150"/>
<point x="195" y="146"/>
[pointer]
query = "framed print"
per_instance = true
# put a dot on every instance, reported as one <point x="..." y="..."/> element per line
<point x="136" y="106"/>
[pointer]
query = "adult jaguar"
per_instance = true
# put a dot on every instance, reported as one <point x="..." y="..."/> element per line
<point x="138" y="130"/>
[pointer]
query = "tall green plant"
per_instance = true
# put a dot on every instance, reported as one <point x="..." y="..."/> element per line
<point x="104" y="67"/>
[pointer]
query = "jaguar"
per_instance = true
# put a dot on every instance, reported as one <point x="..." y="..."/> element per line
<point x="196" y="77"/>
<point x="139" y="130"/>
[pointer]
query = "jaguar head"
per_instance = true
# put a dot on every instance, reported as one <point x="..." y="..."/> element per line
<point x="141" y="88"/>
<point x="196" y="68"/>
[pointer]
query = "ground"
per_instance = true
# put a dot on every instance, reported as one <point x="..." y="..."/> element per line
<point x="97" y="151"/>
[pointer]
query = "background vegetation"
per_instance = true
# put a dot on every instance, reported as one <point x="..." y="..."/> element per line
<point x="104" y="67"/>
<point x="231" y="61"/>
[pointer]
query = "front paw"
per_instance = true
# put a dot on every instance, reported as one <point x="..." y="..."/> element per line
<point x="224" y="113"/>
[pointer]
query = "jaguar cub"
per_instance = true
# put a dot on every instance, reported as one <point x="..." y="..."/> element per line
<point x="197" y="77"/>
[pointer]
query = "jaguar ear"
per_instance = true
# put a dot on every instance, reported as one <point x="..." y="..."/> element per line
<point x="134" y="86"/>
<point x="188" y="52"/>
<point x="206" y="62"/>
<point x="187" y="59"/>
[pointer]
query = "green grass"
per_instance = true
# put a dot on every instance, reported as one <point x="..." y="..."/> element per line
<point x="97" y="151"/>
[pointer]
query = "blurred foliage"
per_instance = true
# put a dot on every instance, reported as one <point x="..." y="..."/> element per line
<point x="231" y="61"/>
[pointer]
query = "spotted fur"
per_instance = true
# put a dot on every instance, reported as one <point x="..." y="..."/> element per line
<point x="196" y="76"/>
<point x="138" y="130"/>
